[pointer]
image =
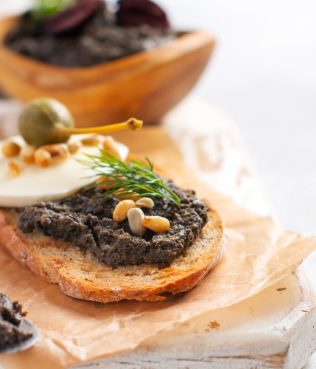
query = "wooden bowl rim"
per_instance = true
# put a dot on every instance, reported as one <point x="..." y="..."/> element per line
<point x="186" y="43"/>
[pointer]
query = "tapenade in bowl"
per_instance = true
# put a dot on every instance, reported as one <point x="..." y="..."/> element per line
<point x="105" y="64"/>
<point x="101" y="223"/>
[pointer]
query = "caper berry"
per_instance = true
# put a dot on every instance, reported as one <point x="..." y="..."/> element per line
<point x="47" y="121"/>
<point x="40" y="119"/>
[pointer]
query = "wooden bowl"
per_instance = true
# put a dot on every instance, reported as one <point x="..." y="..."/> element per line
<point x="145" y="85"/>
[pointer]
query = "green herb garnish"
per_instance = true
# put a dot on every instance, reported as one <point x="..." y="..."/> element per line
<point x="121" y="179"/>
<point x="47" y="8"/>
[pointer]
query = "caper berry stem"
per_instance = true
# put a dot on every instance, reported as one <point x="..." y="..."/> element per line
<point x="131" y="123"/>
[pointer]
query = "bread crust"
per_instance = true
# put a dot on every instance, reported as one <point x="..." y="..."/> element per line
<point x="80" y="275"/>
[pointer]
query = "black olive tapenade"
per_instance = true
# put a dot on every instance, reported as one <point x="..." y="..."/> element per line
<point x="85" y="220"/>
<point x="97" y="41"/>
<point x="11" y="317"/>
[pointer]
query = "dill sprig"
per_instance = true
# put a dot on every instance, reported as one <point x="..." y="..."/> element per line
<point x="121" y="179"/>
<point x="47" y="8"/>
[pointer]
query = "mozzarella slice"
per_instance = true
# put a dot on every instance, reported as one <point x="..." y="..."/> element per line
<point x="36" y="184"/>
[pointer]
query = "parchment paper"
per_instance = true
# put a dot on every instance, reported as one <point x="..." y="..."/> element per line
<point x="258" y="254"/>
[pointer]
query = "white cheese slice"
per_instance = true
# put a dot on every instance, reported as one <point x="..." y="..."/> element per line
<point x="36" y="184"/>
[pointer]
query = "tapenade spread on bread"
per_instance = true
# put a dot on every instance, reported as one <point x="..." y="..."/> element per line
<point x="101" y="223"/>
<point x="86" y="220"/>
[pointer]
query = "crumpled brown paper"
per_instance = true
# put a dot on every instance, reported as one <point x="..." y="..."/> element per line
<point x="258" y="253"/>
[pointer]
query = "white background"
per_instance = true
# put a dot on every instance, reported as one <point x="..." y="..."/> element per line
<point x="263" y="74"/>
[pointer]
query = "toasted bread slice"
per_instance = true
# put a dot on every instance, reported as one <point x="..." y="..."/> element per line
<point x="79" y="274"/>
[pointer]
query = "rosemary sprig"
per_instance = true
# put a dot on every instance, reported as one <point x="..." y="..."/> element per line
<point x="122" y="179"/>
<point x="47" y="8"/>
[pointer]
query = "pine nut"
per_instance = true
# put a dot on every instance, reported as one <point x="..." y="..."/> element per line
<point x="59" y="151"/>
<point x="156" y="224"/>
<point x="10" y="149"/>
<point x="135" y="219"/>
<point x="145" y="202"/>
<point x="129" y="196"/>
<point x="74" y="147"/>
<point x="27" y="154"/>
<point x="106" y="186"/>
<point x="110" y="145"/>
<point x="121" y="210"/>
<point x="42" y="157"/>
<point x="93" y="140"/>
<point x="14" y="169"/>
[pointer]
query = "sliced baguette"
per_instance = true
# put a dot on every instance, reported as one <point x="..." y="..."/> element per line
<point x="79" y="274"/>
